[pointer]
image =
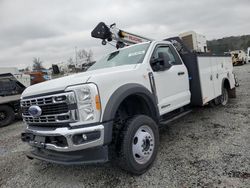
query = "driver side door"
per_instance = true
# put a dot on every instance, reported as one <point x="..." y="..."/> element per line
<point x="172" y="84"/>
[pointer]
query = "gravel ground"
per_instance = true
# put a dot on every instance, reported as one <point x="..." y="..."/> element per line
<point x="208" y="148"/>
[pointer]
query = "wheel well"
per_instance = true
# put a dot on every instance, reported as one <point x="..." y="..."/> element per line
<point x="14" y="105"/>
<point x="136" y="104"/>
<point x="132" y="105"/>
<point x="226" y="84"/>
<point x="7" y="104"/>
<point x="231" y="92"/>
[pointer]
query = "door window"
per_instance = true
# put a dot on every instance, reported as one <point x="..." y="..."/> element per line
<point x="172" y="57"/>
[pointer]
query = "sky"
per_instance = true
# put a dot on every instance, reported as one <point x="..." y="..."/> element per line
<point x="53" y="30"/>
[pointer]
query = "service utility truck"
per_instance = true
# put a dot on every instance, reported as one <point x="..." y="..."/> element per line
<point x="113" y="110"/>
<point x="238" y="57"/>
<point x="12" y="84"/>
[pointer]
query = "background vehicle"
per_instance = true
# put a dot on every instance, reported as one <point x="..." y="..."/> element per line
<point x="12" y="84"/>
<point x="38" y="76"/>
<point x="194" y="41"/>
<point x="248" y="55"/>
<point x="238" y="57"/>
<point x="113" y="111"/>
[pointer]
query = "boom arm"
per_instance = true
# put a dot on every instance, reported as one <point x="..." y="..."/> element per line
<point x="112" y="33"/>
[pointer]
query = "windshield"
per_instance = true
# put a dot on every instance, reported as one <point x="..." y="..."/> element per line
<point x="126" y="56"/>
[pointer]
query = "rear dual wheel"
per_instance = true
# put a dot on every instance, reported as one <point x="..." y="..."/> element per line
<point x="221" y="100"/>
<point x="224" y="97"/>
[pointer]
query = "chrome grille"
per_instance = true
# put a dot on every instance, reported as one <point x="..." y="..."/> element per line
<point x="55" y="109"/>
<point x="49" y="109"/>
<point x="39" y="101"/>
<point x="43" y="119"/>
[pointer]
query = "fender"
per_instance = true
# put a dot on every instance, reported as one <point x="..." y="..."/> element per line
<point x="231" y="90"/>
<point x="124" y="91"/>
<point x="116" y="99"/>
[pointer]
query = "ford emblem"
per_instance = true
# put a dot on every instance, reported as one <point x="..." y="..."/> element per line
<point x="35" y="111"/>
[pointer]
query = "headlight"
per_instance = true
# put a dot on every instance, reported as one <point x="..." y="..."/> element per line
<point x="88" y="103"/>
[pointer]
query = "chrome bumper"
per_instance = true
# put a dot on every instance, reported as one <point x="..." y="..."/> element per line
<point x="68" y="134"/>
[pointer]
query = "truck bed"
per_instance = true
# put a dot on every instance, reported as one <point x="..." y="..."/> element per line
<point x="10" y="98"/>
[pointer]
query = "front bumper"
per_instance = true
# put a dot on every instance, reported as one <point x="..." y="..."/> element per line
<point x="67" y="134"/>
<point x="87" y="156"/>
<point x="96" y="135"/>
<point x="92" y="150"/>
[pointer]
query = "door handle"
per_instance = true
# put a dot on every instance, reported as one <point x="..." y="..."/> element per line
<point x="180" y="73"/>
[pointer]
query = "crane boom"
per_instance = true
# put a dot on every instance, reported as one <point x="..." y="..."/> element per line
<point x="112" y="33"/>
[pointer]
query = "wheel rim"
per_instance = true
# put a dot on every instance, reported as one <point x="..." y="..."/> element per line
<point x="143" y="144"/>
<point x="224" y="97"/>
<point x="2" y="116"/>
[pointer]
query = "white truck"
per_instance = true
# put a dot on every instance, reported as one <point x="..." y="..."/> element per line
<point x="114" y="110"/>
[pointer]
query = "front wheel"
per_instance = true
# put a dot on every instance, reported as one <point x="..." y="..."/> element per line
<point x="7" y="115"/>
<point x="139" y="144"/>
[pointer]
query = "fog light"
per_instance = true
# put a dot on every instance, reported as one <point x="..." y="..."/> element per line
<point x="86" y="137"/>
<point x="60" y="98"/>
<point x="63" y="117"/>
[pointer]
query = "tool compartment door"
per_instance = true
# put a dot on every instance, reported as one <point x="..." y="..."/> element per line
<point x="217" y="70"/>
<point x="206" y="78"/>
<point x="220" y="69"/>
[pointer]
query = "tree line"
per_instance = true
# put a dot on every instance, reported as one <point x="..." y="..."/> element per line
<point x="227" y="44"/>
<point x="82" y="57"/>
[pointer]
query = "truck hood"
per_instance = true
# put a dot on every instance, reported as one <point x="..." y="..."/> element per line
<point x="61" y="84"/>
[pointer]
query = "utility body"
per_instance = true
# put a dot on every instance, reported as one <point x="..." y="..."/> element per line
<point x="113" y="111"/>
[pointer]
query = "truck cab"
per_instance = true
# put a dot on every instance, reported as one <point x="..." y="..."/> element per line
<point x="113" y="111"/>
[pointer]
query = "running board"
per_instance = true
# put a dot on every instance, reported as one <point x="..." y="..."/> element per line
<point x="175" y="117"/>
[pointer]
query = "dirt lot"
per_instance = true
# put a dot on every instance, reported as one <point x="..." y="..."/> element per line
<point x="208" y="148"/>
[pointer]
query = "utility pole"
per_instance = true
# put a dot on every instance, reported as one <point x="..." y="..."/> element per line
<point x="76" y="56"/>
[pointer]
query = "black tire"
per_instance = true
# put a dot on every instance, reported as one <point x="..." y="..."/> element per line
<point x="224" y="97"/>
<point x="211" y="104"/>
<point x="7" y="115"/>
<point x="126" y="158"/>
<point x="236" y="81"/>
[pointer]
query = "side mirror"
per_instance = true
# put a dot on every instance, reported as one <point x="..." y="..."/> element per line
<point x="161" y="63"/>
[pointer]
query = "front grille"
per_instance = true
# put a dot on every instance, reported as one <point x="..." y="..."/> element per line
<point x="49" y="109"/>
<point x="55" y="109"/>
<point x="48" y="119"/>
<point x="39" y="101"/>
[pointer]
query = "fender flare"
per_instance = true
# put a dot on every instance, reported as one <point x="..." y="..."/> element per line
<point x="124" y="91"/>
<point x="231" y="90"/>
<point x="116" y="99"/>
